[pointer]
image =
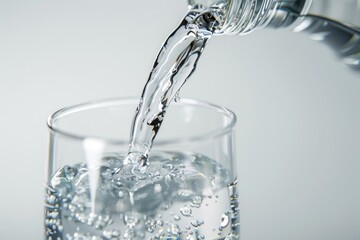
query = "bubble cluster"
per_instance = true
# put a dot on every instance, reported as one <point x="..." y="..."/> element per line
<point x="163" y="205"/>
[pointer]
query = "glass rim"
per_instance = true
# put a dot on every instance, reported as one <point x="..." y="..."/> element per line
<point x="63" y="112"/>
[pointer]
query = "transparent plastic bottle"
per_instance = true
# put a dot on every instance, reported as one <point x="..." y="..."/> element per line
<point x="333" y="22"/>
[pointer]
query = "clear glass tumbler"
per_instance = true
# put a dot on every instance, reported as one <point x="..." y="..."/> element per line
<point x="188" y="190"/>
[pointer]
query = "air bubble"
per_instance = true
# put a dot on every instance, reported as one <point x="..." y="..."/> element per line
<point x="110" y="234"/>
<point x="121" y="194"/>
<point x="185" y="211"/>
<point x="100" y="224"/>
<point x="72" y="207"/>
<point x="157" y="188"/>
<point x="173" y="229"/>
<point x="91" y="219"/>
<point x="150" y="225"/>
<point x="197" y="223"/>
<point x="177" y="97"/>
<point x="129" y="234"/>
<point x="160" y="222"/>
<point x="197" y="200"/>
<point x="225" y="220"/>
<point x="130" y="221"/>
<point x="51" y="199"/>
<point x="53" y="214"/>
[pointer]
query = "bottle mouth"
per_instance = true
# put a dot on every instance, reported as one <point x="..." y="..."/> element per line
<point x="216" y="10"/>
<point x="244" y="16"/>
<point x="233" y="16"/>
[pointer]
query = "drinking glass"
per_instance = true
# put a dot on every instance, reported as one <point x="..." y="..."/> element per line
<point x="187" y="190"/>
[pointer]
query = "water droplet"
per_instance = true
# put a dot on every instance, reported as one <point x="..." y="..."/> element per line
<point x="185" y="211"/>
<point x="177" y="217"/>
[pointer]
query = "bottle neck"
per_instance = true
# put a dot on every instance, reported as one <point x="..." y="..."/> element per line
<point x="244" y="16"/>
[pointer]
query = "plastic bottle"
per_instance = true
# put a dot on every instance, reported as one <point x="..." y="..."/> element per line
<point x="333" y="22"/>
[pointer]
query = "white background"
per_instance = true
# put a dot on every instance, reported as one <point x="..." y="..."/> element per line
<point x="298" y="108"/>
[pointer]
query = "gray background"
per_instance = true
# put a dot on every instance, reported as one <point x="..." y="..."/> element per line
<point x="298" y="132"/>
